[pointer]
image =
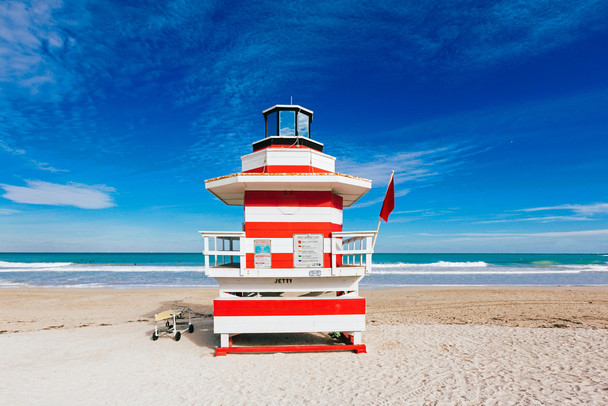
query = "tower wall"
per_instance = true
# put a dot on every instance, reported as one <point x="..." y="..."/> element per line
<point x="278" y="215"/>
<point x="293" y="159"/>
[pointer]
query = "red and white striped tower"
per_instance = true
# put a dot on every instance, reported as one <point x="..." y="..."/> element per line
<point x="292" y="268"/>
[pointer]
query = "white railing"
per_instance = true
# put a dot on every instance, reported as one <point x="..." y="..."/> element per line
<point x="355" y="248"/>
<point x="221" y="245"/>
<point x="352" y="250"/>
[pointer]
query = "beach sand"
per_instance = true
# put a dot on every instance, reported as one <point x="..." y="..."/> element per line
<point x="425" y="345"/>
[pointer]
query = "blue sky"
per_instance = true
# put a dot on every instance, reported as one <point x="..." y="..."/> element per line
<point x="494" y="117"/>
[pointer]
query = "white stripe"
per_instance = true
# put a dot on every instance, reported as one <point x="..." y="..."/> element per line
<point x="257" y="280"/>
<point x="291" y="157"/>
<point x="288" y="324"/>
<point x="281" y="245"/>
<point x="288" y="214"/>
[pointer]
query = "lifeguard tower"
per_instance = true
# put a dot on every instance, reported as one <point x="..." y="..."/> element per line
<point x="291" y="269"/>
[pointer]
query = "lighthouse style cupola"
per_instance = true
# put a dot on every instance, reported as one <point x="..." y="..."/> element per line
<point x="292" y="268"/>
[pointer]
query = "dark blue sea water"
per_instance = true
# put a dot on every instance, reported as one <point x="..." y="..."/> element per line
<point x="122" y="270"/>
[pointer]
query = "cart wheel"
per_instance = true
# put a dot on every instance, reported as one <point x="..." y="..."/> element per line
<point x="178" y="335"/>
<point x="154" y="337"/>
<point x="190" y="328"/>
<point x="167" y="323"/>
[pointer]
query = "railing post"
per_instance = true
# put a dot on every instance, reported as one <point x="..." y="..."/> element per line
<point x="242" y="254"/>
<point x="223" y="240"/>
<point x="215" y="250"/>
<point x="333" y="248"/>
<point x="206" y="252"/>
<point x="368" y="256"/>
<point x="231" y="245"/>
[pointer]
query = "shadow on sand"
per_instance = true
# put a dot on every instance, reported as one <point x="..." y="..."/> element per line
<point x="203" y="335"/>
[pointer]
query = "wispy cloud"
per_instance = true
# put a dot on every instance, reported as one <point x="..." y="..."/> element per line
<point x="59" y="56"/>
<point x="580" y="212"/>
<point x="506" y="29"/>
<point x="421" y="36"/>
<point x="10" y="149"/>
<point x="579" y="233"/>
<point x="52" y="194"/>
<point x="32" y="41"/>
<point x="409" y="166"/>
<point x="7" y="212"/>
<point x="542" y="219"/>
<point x="378" y="200"/>
<point x="21" y="152"/>
<point x="581" y="209"/>
<point x="46" y="167"/>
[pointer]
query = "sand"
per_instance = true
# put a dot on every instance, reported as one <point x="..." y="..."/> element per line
<point x="425" y="346"/>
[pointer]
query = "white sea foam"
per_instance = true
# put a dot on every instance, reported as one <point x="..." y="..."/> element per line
<point x="13" y="285"/>
<point x="440" y="264"/>
<point x="476" y="269"/>
<point x="72" y="267"/>
<point x="435" y="268"/>
<point x="124" y="286"/>
<point x="27" y="265"/>
<point x="503" y="272"/>
<point x="587" y="267"/>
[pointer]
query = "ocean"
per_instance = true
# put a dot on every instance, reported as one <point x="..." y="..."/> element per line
<point x="156" y="270"/>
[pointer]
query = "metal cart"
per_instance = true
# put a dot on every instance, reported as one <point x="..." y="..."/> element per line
<point x="178" y="317"/>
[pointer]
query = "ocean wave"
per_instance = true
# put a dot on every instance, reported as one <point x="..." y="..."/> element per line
<point x="102" y="285"/>
<point x="72" y="267"/>
<point x="440" y="264"/>
<point x="586" y="267"/>
<point x="432" y="269"/>
<point x="505" y="272"/>
<point x="36" y="265"/>
<point x="4" y="284"/>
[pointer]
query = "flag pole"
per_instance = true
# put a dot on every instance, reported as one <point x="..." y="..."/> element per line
<point x="380" y="218"/>
<point x="376" y="235"/>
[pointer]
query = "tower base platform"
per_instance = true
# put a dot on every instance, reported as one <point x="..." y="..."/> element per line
<point x="254" y="315"/>
<point x="346" y="338"/>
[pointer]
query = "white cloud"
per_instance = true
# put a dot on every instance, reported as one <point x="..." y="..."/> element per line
<point x="52" y="194"/>
<point x="580" y="212"/>
<point x="582" y="209"/>
<point x="380" y="199"/>
<point x="7" y="212"/>
<point x="46" y="167"/>
<point x="32" y="40"/>
<point x="554" y="234"/>
<point x="545" y="219"/>
<point x="11" y="150"/>
<point x="409" y="166"/>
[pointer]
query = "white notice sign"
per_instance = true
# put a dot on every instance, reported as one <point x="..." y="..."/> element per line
<point x="307" y="250"/>
<point x="261" y="256"/>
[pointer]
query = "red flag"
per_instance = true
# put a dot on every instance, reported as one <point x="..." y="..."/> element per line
<point x="389" y="200"/>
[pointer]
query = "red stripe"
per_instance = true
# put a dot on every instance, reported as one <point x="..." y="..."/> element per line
<point x="285" y="260"/>
<point x="287" y="169"/>
<point x="287" y="307"/>
<point x="358" y="348"/>
<point x="287" y="230"/>
<point x="258" y="198"/>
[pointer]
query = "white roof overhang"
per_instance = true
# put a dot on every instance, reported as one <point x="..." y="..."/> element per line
<point x="231" y="188"/>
